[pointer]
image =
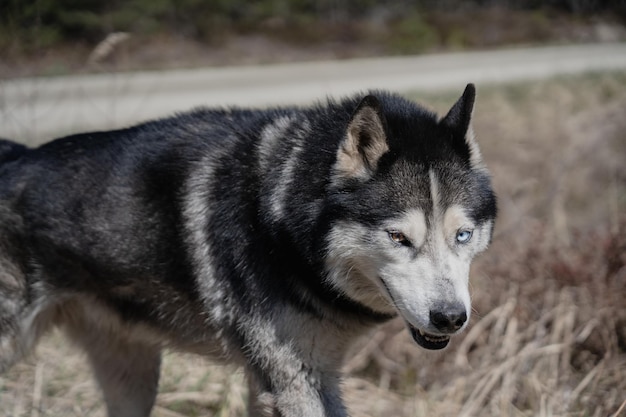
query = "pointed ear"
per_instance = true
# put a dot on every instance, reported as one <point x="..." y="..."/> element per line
<point x="459" y="117"/>
<point x="458" y="121"/>
<point x="364" y="142"/>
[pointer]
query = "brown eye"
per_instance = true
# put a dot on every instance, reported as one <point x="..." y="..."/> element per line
<point x="399" y="238"/>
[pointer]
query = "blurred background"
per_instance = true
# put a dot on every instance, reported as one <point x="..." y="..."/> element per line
<point x="548" y="332"/>
<point x="56" y="37"/>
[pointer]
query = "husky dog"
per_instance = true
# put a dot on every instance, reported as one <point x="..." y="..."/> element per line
<point x="266" y="238"/>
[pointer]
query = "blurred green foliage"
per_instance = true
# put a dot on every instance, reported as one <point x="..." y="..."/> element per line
<point x="36" y="24"/>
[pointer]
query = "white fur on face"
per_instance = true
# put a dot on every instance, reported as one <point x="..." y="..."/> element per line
<point x="350" y="268"/>
<point x="368" y="266"/>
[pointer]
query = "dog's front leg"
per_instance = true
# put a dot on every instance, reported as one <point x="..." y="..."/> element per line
<point x="307" y="394"/>
<point x="291" y="373"/>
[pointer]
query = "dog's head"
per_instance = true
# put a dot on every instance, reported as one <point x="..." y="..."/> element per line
<point x="416" y="205"/>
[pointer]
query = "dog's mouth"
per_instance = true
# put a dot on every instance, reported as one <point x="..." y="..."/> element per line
<point x="425" y="340"/>
<point x="429" y="341"/>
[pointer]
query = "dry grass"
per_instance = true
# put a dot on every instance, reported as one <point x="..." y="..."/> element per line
<point x="548" y="336"/>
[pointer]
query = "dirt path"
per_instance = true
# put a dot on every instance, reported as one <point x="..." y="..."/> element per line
<point x="33" y="110"/>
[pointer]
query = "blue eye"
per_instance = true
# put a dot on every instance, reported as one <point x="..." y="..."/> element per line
<point x="463" y="236"/>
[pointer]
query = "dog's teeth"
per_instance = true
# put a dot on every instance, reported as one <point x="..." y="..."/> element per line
<point x="432" y="338"/>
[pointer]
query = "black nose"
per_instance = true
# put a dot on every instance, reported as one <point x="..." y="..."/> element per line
<point x="448" y="318"/>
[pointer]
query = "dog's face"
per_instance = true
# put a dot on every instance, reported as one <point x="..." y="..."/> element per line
<point x="418" y="207"/>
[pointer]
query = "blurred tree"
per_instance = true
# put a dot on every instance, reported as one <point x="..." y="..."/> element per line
<point x="34" y="24"/>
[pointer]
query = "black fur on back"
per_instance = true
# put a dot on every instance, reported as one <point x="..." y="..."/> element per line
<point x="10" y="151"/>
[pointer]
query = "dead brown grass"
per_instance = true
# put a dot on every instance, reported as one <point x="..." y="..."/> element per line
<point x="548" y="335"/>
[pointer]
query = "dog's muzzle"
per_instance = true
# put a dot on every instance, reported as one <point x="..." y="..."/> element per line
<point x="447" y="320"/>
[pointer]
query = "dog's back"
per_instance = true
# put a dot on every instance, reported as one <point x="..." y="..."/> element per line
<point x="10" y="151"/>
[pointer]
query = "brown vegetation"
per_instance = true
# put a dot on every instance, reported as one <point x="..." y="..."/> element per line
<point x="548" y="334"/>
